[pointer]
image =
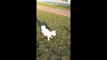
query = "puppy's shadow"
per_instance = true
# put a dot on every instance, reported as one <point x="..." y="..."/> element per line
<point x="40" y="23"/>
<point x="37" y="45"/>
<point x="44" y="23"/>
<point x="67" y="29"/>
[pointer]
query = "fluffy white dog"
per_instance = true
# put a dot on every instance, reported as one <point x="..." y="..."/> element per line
<point x="47" y="33"/>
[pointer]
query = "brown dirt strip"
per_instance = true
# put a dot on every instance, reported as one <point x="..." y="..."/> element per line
<point x="54" y="10"/>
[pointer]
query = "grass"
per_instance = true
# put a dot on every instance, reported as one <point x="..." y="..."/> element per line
<point x="54" y="5"/>
<point x="59" y="47"/>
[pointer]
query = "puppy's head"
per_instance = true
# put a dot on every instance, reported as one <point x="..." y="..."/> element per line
<point x="43" y="27"/>
<point x="53" y="33"/>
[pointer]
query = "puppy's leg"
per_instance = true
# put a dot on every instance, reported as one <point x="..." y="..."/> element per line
<point x="51" y="37"/>
<point x="48" y="38"/>
<point x="44" y="37"/>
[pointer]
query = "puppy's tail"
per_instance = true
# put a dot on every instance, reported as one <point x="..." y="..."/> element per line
<point x="53" y="33"/>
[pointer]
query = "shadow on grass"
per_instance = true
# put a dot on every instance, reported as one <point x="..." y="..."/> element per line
<point x="40" y="23"/>
<point x="37" y="44"/>
<point x="66" y="29"/>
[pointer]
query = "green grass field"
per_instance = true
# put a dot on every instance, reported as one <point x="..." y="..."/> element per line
<point x="54" y="5"/>
<point x="59" y="47"/>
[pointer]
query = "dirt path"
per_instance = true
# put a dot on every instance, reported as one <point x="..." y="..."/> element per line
<point x="53" y="10"/>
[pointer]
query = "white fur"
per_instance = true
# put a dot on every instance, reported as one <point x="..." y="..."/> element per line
<point x="47" y="33"/>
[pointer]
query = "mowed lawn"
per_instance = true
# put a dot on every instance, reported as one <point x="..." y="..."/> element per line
<point x="54" y="5"/>
<point x="57" y="48"/>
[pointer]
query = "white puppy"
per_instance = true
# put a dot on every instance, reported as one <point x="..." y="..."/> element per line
<point x="47" y="33"/>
